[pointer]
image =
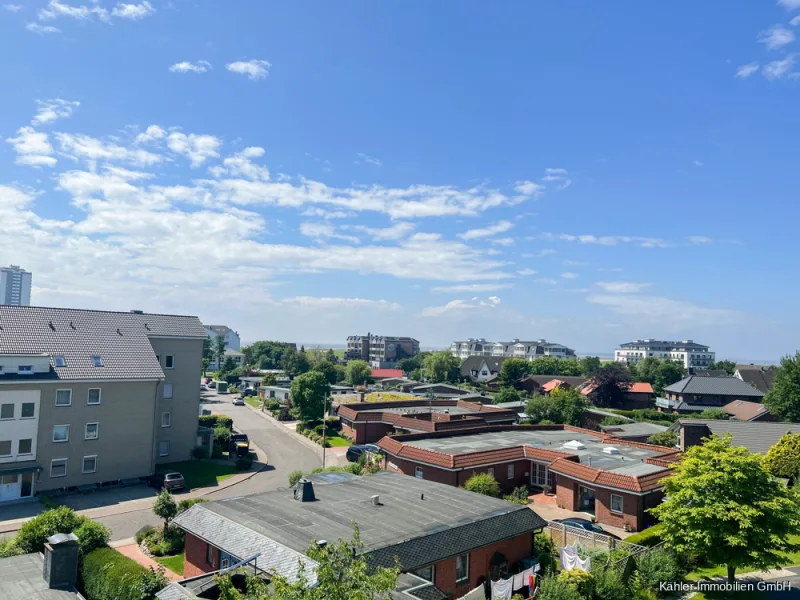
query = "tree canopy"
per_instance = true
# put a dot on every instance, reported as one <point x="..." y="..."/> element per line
<point x="412" y="363"/>
<point x="664" y="438"/>
<point x="611" y="382"/>
<point x="783" y="400"/>
<point x="783" y="459"/>
<point x="266" y="354"/>
<point x="328" y="369"/>
<point x="165" y="508"/>
<point x="295" y="363"/>
<point x="219" y="347"/>
<point x="563" y="405"/>
<point x="513" y="370"/>
<point x="721" y="504"/>
<point x="441" y="367"/>
<point x="589" y="364"/>
<point x="725" y="365"/>
<point x="660" y="373"/>
<point x="507" y="394"/>
<point x="309" y="394"/>
<point x="550" y="365"/>
<point x="357" y="372"/>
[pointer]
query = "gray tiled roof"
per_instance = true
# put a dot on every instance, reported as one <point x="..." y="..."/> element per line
<point x="21" y="577"/>
<point x="759" y="376"/>
<point x="720" y="386"/>
<point x="175" y="591"/>
<point x="756" y="436"/>
<point x="120" y="339"/>
<point x="473" y="363"/>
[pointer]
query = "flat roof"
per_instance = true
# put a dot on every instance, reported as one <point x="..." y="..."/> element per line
<point x="423" y="410"/>
<point x="634" y="429"/>
<point x="592" y="455"/>
<point x="21" y="577"/>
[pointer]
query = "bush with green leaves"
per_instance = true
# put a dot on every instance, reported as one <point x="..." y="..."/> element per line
<point x="91" y="535"/>
<point x="483" y="483"/>
<point x="555" y="588"/>
<point x="611" y="421"/>
<point x="108" y="575"/>
<point x="581" y="580"/>
<point x="8" y="547"/>
<point x="160" y="543"/>
<point x="608" y="584"/>
<point x="34" y="533"/>
<point x="294" y="477"/>
<point x="188" y="503"/>
<point x="649" y="537"/>
<point x="664" y="438"/>
<point x="222" y="437"/>
<point x="519" y="495"/>
<point x="657" y="566"/>
<point x="212" y="421"/>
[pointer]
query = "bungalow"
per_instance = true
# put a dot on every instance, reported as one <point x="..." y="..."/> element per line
<point x="446" y="541"/>
<point x="696" y="394"/>
<point x="741" y="410"/>
<point x="481" y="368"/>
<point x="273" y="391"/>
<point x="756" y="436"/>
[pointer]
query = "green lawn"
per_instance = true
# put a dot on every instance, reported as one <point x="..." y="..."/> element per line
<point x="200" y="473"/>
<point x="792" y="559"/>
<point x="336" y="441"/>
<point x="253" y="401"/>
<point x="173" y="563"/>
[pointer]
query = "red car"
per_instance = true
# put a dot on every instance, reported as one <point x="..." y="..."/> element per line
<point x="208" y="380"/>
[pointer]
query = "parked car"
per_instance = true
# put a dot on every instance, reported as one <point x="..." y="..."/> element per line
<point x="212" y="385"/>
<point x="203" y="387"/>
<point x="208" y="380"/>
<point x="585" y="524"/>
<point x="171" y="480"/>
<point x="249" y="392"/>
<point x="355" y="452"/>
<point x="238" y="401"/>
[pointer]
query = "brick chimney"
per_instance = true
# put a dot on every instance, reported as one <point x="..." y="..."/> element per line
<point x="61" y="561"/>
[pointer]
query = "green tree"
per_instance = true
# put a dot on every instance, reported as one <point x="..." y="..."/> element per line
<point x="580" y="580"/>
<point x="725" y="365"/>
<point x="165" y="508"/>
<point x="441" y="367"/>
<point x="507" y="394"/>
<point x="721" y="504"/>
<point x="716" y="414"/>
<point x="783" y="400"/>
<point x="330" y="356"/>
<point x="589" y="364"/>
<point x="647" y="369"/>
<point x="664" y="438"/>
<point x="569" y="367"/>
<point x="783" y="459"/>
<point x="542" y="408"/>
<point x="513" y="370"/>
<point x="571" y="404"/>
<point x="656" y="566"/>
<point x="269" y="379"/>
<point x="357" y="372"/>
<point x="309" y="395"/>
<point x="219" y="348"/>
<point x="483" y="483"/>
<point x="326" y="368"/>
<point x="412" y="363"/>
<point x="341" y="372"/>
<point x="295" y="363"/>
<point x="611" y="382"/>
<point x="668" y="372"/>
<point x="546" y="365"/>
<point x="208" y="353"/>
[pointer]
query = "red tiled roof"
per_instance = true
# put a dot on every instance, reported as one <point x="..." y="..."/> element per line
<point x="384" y="373"/>
<point x="642" y="483"/>
<point x="743" y="410"/>
<point x="640" y="388"/>
<point x="551" y="385"/>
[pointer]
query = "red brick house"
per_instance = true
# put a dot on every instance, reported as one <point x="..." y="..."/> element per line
<point x="616" y="480"/>
<point x="366" y="423"/>
<point x="446" y="540"/>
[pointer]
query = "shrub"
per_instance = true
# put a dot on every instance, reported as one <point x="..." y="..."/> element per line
<point x="657" y="566"/>
<point x="151" y="582"/>
<point x="144" y="533"/>
<point x="108" y="575"/>
<point x="483" y="483"/>
<point x="213" y="420"/>
<point x="170" y="544"/>
<point x="285" y="414"/>
<point x="518" y="496"/>
<point x="579" y="579"/>
<point x="34" y="533"/>
<point x="649" y="537"/>
<point x="92" y="535"/>
<point x="608" y="421"/>
<point x="294" y="477"/>
<point x="554" y="588"/>
<point x="188" y="503"/>
<point x="543" y="543"/>
<point x="222" y="437"/>
<point x="199" y="452"/>
<point x="608" y="584"/>
<point x="243" y="463"/>
<point x="9" y="548"/>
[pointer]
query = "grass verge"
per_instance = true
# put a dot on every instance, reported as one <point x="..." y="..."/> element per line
<point x="173" y="563"/>
<point x="200" y="473"/>
<point x="336" y="441"/>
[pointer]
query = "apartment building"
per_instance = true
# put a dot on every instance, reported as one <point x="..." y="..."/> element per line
<point x="231" y="336"/>
<point x="90" y="397"/>
<point x="513" y="349"/>
<point x="15" y="286"/>
<point x="686" y="352"/>
<point x="380" y="351"/>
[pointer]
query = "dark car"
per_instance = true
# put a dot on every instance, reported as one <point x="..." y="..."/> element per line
<point x="172" y="481"/>
<point x="355" y="452"/>
<point x="585" y="524"/>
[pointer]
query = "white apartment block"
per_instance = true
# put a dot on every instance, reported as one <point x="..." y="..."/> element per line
<point x="15" y="286"/>
<point x="686" y="352"/>
<point x="231" y="336"/>
<point x="513" y="349"/>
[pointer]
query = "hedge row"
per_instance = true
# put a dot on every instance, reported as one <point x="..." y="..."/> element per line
<point x="214" y="420"/>
<point x="108" y="575"/>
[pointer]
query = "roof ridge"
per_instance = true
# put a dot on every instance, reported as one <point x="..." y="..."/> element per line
<point x="95" y="310"/>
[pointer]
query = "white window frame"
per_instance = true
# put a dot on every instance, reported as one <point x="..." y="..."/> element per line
<point x="171" y="391"/>
<point x="10" y="448"/>
<point x="621" y="504"/>
<point x="167" y="360"/>
<point x="70" y="398"/>
<point x="59" y="358"/>
<point x="419" y="473"/>
<point x="25" y="370"/>
<point x="34" y="410"/>
<point x="510" y="471"/>
<point x="224" y="563"/>
<point x="168" y="448"/>
<point x="55" y="441"/>
<point x="52" y="463"/>
<point x="466" y="574"/>
<point x="19" y="452"/>
<point x="169" y="419"/>
<point x="86" y="432"/>
<point x="89" y="396"/>
<point x="97" y="361"/>
<point x="83" y="463"/>
<point x="13" y="411"/>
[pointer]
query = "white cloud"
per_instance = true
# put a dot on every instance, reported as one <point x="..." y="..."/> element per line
<point x="796" y="21"/>
<point x="133" y="11"/>
<point x="776" y="37"/>
<point x="659" y="309"/>
<point x="56" y="9"/>
<point x="151" y="134"/>
<point x="526" y="271"/>
<point x="528" y="188"/>
<point x="254" y="69"/>
<point x="327" y="214"/>
<point x="547" y="280"/>
<point x="78" y="146"/>
<point x="558" y="175"/>
<point x="568" y="275"/>
<point x="473" y="234"/>
<point x="621" y="287"/>
<point x="315" y="303"/>
<point x="461" y="305"/>
<point x="13" y="7"/>
<point x="370" y="160"/>
<point x="609" y="240"/>
<point x="51" y="110"/>
<point x="506" y="241"/>
<point x="33" y="148"/>
<point x="699" y="239"/>
<point x="744" y="71"/>
<point x="777" y="69"/>
<point x="201" y="66"/>
<point x="395" y="232"/>
<point x="198" y="148"/>
<point x="41" y="29"/>
<point x="325" y="231"/>
<point x="540" y="253"/>
<point x="471" y="287"/>
<point x="240" y="165"/>
<point x="789" y="4"/>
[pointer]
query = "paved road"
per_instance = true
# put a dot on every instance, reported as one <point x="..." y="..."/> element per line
<point x="286" y="454"/>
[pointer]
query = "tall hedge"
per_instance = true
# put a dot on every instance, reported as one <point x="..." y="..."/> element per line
<point x="108" y="575"/>
<point x="213" y="420"/>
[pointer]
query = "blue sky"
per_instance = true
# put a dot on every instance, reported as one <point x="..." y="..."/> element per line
<point x="586" y="173"/>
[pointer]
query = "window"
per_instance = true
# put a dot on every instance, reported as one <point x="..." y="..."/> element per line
<point x="462" y="568"/>
<point x="92" y="431"/>
<point x="94" y="396"/>
<point x="616" y="503"/>
<point x="61" y="433"/>
<point x="25" y="447"/>
<point x="426" y="573"/>
<point x="6" y="411"/>
<point x="490" y="471"/>
<point x="418" y="473"/>
<point x="5" y="448"/>
<point x="167" y="390"/>
<point x="25" y="370"/>
<point x="210" y="554"/>
<point x="59" y="360"/>
<point x="224" y="563"/>
<point x="169" y="361"/>
<point x="163" y="448"/>
<point x="540" y="475"/>
<point x="97" y="361"/>
<point x="90" y="463"/>
<point x="58" y="467"/>
<point x="63" y="397"/>
<point x="166" y="419"/>
<point x="28" y="410"/>
<point x="511" y="471"/>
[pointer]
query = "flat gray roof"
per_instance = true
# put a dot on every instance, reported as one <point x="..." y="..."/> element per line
<point x="21" y="577"/>
<point x="423" y="410"/>
<point x="634" y="429"/>
<point x="592" y="455"/>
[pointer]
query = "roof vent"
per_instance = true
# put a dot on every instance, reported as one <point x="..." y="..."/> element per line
<point x="51" y="326"/>
<point x="376" y="500"/>
<point x="137" y="312"/>
<point x="610" y="450"/>
<point x="72" y="325"/>
<point x="574" y="445"/>
<point x="304" y="491"/>
<point x="118" y="331"/>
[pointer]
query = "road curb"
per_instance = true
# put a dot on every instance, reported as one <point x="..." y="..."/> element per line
<point x="301" y="438"/>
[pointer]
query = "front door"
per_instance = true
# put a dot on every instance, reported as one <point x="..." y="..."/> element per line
<point x="586" y="499"/>
<point x="9" y="487"/>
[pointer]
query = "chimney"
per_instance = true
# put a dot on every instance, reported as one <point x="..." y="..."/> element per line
<point x="304" y="491"/>
<point x="137" y="311"/>
<point x="61" y="561"/>
<point x="376" y="500"/>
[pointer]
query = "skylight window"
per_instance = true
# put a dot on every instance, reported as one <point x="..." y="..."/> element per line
<point x="574" y="445"/>
<point x="97" y="361"/>
<point x="59" y="360"/>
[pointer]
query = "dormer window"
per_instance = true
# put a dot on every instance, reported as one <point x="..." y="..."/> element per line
<point x="97" y="361"/>
<point x="59" y="360"/>
<point x="25" y="370"/>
